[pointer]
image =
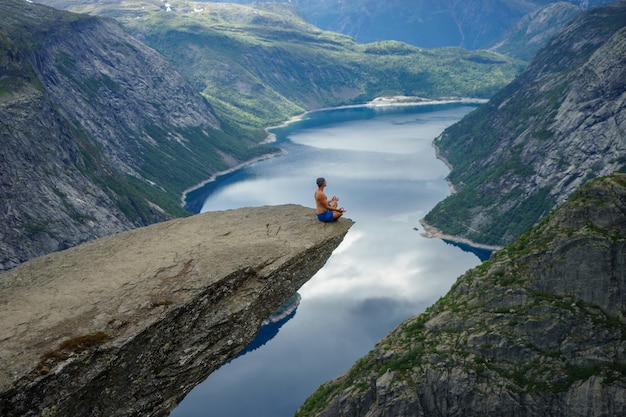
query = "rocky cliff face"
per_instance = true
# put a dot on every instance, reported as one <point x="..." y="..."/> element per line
<point x="128" y="324"/>
<point x="99" y="132"/>
<point x="559" y="124"/>
<point x="538" y="330"/>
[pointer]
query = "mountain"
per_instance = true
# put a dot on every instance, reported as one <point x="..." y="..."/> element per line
<point x="559" y="124"/>
<point x="261" y="64"/>
<point x="532" y="31"/>
<point x="99" y="132"/>
<point x="425" y="23"/>
<point x="538" y="330"/>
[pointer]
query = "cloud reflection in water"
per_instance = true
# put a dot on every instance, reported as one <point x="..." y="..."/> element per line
<point x="385" y="172"/>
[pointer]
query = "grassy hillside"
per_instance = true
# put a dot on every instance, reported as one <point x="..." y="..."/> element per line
<point x="99" y="132"/>
<point x="261" y="65"/>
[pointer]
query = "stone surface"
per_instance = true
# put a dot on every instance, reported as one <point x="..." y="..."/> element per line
<point x="533" y="30"/>
<point x="128" y="324"/>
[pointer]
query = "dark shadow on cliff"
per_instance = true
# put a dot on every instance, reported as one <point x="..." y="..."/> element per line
<point x="482" y="254"/>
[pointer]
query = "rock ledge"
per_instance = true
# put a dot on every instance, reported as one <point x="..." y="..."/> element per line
<point x="128" y="324"/>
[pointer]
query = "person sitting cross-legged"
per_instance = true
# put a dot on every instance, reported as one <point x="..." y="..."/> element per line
<point x="327" y="210"/>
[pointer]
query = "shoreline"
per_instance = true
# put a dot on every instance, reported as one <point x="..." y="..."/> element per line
<point x="213" y="177"/>
<point x="391" y="101"/>
<point x="440" y="157"/>
<point x="433" y="232"/>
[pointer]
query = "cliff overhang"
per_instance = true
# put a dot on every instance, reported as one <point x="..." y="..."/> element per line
<point x="128" y="324"/>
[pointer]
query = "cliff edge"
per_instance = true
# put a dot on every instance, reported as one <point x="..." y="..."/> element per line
<point x="128" y="324"/>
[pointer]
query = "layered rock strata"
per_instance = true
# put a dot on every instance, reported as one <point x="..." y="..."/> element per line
<point x="128" y="324"/>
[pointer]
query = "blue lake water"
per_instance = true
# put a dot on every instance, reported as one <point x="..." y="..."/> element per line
<point x="381" y="164"/>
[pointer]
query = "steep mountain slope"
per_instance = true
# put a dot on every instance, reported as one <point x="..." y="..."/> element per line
<point x="99" y="132"/>
<point x="425" y="23"/>
<point x="556" y="126"/>
<point x="538" y="330"/>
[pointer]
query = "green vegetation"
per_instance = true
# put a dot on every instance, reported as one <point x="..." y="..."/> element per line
<point x="418" y="349"/>
<point x="256" y="66"/>
<point x="318" y="400"/>
<point x="19" y="23"/>
<point x="165" y="178"/>
<point x="17" y="76"/>
<point x="489" y="171"/>
<point x="512" y="158"/>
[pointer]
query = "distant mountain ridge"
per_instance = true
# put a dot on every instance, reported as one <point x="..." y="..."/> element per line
<point x="533" y="30"/>
<point x="263" y="63"/>
<point x="424" y="23"/>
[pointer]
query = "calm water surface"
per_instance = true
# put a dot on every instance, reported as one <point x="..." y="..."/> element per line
<point x="381" y="165"/>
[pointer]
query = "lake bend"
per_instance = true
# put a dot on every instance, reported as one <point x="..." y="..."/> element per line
<point x="380" y="163"/>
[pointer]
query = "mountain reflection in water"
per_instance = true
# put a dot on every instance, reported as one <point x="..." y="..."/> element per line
<point x="272" y="325"/>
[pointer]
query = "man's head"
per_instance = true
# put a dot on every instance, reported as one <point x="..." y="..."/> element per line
<point x="320" y="181"/>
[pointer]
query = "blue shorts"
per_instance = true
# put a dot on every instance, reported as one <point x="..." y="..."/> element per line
<point x="326" y="216"/>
